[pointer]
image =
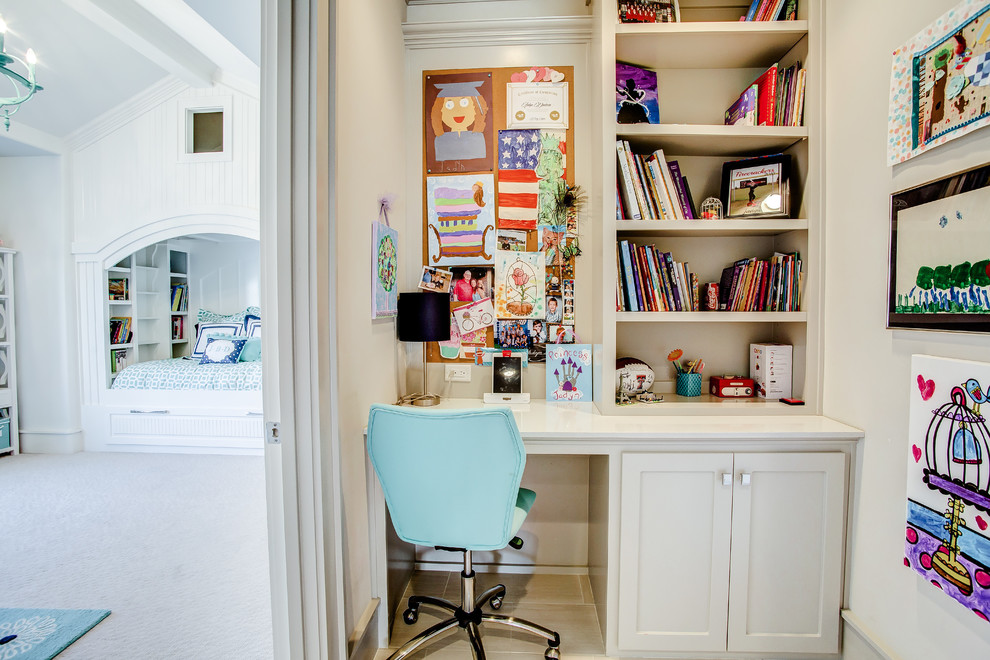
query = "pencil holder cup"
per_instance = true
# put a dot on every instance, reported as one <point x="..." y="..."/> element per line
<point x="689" y="384"/>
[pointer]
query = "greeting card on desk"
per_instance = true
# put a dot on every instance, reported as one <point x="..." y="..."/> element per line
<point x="568" y="372"/>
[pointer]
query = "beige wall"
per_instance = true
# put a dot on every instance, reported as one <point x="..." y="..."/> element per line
<point x="867" y="368"/>
<point x="370" y="160"/>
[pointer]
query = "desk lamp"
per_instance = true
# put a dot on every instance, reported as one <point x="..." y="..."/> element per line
<point x="423" y="316"/>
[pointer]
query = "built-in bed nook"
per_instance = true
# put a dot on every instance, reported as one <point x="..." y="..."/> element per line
<point x="176" y="347"/>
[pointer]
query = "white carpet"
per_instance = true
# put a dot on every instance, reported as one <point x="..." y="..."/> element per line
<point x="175" y="545"/>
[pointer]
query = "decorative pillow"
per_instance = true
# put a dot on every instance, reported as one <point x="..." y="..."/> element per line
<point x="222" y="350"/>
<point x="252" y="350"/>
<point x="252" y="326"/>
<point x="253" y="311"/>
<point x="206" y="316"/>
<point x="207" y="330"/>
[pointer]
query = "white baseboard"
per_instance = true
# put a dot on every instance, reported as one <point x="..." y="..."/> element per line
<point x="855" y="626"/>
<point x="362" y="644"/>
<point x="50" y="442"/>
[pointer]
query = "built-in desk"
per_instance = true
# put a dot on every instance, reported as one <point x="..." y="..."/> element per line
<point x="701" y="536"/>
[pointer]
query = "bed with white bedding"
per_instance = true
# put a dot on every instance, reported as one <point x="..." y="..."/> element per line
<point x="186" y="374"/>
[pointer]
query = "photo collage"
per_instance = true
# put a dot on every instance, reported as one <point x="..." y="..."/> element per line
<point x="500" y="208"/>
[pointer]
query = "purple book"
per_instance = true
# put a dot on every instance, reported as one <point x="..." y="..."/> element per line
<point x="743" y="111"/>
<point x="675" y="174"/>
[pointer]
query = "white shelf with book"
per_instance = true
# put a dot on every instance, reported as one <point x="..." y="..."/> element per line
<point x="704" y="64"/>
<point x="178" y="301"/>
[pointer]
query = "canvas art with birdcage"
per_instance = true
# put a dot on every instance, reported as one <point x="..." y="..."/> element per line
<point x="948" y="510"/>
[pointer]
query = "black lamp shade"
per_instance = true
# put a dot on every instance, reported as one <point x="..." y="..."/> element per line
<point x="423" y="316"/>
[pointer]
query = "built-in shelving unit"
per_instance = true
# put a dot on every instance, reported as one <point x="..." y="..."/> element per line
<point x="703" y="64"/>
<point x="9" y="436"/>
<point x="178" y="263"/>
<point x="149" y="276"/>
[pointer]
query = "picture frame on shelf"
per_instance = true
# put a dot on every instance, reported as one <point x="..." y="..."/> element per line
<point x="757" y="187"/>
<point x="939" y="276"/>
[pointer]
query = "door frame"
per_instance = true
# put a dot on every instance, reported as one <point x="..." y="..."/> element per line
<point x="298" y="297"/>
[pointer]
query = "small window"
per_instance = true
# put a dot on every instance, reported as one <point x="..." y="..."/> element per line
<point x="207" y="132"/>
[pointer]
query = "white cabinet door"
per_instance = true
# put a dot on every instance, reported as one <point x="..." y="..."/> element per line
<point x="787" y="543"/>
<point x="674" y="551"/>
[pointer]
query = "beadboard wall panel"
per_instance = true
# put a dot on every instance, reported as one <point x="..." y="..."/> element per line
<point x="132" y="176"/>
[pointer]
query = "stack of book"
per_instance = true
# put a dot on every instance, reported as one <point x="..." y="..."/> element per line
<point x="776" y="98"/>
<point x="180" y="297"/>
<point x="117" y="288"/>
<point x="771" y="10"/>
<point x="118" y="360"/>
<point x="755" y="285"/>
<point x="120" y="329"/>
<point x="651" y="281"/>
<point x="178" y="327"/>
<point x="648" y="11"/>
<point x="650" y="188"/>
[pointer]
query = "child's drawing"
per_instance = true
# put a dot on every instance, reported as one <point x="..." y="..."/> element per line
<point x="948" y="506"/>
<point x="460" y="219"/>
<point x="520" y="285"/>
<point x="459" y="130"/>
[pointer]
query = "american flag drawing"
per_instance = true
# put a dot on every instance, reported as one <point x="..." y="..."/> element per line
<point x="518" y="185"/>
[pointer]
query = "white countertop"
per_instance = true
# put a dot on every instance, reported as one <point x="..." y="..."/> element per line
<point x="578" y="421"/>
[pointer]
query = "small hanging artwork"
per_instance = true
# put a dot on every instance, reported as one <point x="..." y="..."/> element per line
<point x="552" y="171"/>
<point x="940" y="82"/>
<point x="948" y="489"/>
<point x="459" y="130"/>
<point x="518" y="183"/>
<point x="520" y="285"/>
<point x="569" y="372"/>
<point x="384" y="265"/>
<point x="460" y="220"/>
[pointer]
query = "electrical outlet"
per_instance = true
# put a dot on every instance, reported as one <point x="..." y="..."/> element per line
<point x="457" y="373"/>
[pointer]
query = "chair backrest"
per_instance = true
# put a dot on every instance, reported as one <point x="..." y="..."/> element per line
<point x="450" y="477"/>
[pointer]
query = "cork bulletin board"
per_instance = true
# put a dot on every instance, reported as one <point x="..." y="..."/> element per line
<point x="497" y="163"/>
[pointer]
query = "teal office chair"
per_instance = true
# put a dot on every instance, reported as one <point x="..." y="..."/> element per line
<point x="451" y="480"/>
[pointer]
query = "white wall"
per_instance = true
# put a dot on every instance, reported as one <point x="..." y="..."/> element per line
<point x="224" y="273"/>
<point x="867" y="368"/>
<point x="370" y="161"/>
<point x="32" y="222"/>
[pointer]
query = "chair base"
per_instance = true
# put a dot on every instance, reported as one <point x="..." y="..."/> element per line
<point x="469" y="615"/>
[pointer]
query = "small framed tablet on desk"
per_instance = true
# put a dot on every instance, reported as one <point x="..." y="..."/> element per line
<point x="506" y="381"/>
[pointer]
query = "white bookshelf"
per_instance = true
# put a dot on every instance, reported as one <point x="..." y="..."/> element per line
<point x="703" y="63"/>
<point x="8" y="358"/>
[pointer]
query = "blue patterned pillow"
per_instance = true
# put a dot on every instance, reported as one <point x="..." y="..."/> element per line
<point x="206" y="316"/>
<point x="207" y="330"/>
<point x="222" y="350"/>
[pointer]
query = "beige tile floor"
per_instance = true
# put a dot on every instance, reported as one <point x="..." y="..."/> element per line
<point x="562" y="603"/>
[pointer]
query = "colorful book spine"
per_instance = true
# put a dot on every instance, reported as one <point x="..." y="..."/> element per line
<point x="675" y="175"/>
<point x="627" y="187"/>
<point x="670" y="194"/>
<point x="630" y="289"/>
<point x="743" y="111"/>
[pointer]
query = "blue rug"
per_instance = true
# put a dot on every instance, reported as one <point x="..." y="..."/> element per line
<point x="43" y="634"/>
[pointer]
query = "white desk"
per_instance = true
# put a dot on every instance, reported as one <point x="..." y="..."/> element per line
<point x="672" y="503"/>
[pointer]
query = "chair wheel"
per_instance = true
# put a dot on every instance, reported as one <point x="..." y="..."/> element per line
<point x="516" y="543"/>
<point x="410" y="616"/>
<point x="552" y="653"/>
<point x="496" y="602"/>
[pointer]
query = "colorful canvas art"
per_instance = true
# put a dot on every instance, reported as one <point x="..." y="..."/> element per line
<point x="569" y="372"/>
<point x="460" y="220"/>
<point x="948" y="488"/>
<point x="459" y="129"/>
<point x="384" y="265"/>
<point x="940" y="82"/>
<point x="636" y="100"/>
<point x="520" y="285"/>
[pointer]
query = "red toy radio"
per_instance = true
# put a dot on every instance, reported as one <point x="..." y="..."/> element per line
<point x="730" y="387"/>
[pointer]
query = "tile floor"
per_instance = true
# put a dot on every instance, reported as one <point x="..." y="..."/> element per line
<point x="560" y="602"/>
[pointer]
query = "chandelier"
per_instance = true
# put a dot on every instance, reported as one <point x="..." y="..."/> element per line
<point x="24" y="87"/>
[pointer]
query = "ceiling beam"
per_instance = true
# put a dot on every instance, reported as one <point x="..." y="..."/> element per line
<point x="233" y="65"/>
<point x="133" y="24"/>
<point x="32" y="137"/>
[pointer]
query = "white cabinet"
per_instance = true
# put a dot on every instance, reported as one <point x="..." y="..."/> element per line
<point x="727" y="552"/>
<point x="9" y="443"/>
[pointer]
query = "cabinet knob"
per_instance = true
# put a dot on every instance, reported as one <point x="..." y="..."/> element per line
<point x="726" y="478"/>
<point x="745" y="478"/>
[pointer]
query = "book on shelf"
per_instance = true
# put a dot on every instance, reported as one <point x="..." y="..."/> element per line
<point x="180" y="297"/>
<point x="776" y="98"/>
<point x="117" y="288"/>
<point x="762" y="285"/>
<point x="649" y="11"/>
<point x="650" y="188"/>
<point x="120" y="329"/>
<point x="771" y="10"/>
<point x="743" y="111"/>
<point x="118" y="360"/>
<point x="649" y="280"/>
<point x="178" y="327"/>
